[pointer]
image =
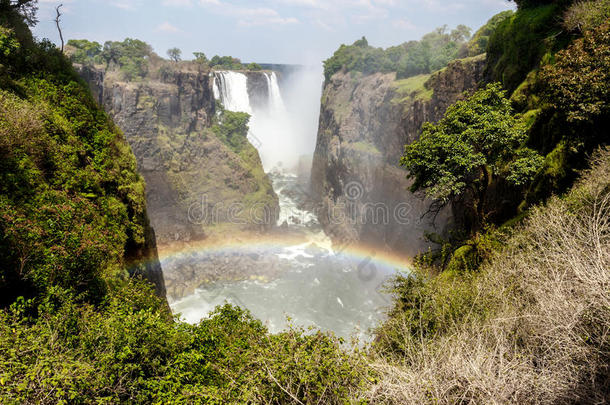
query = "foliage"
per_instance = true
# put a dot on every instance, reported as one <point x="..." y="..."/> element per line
<point x="519" y="43"/>
<point x="174" y="54"/>
<point x="529" y="328"/>
<point x="574" y="95"/>
<point x="431" y="53"/>
<point x="478" y="44"/>
<point x="127" y="351"/>
<point x="586" y="15"/>
<point x="254" y="66"/>
<point x="131" y="56"/>
<point x="85" y="51"/>
<point x="578" y="84"/>
<point x="200" y="58"/>
<point x="232" y="128"/>
<point x="476" y="141"/>
<point x="226" y="63"/>
<point x="72" y="202"/>
<point x="26" y="9"/>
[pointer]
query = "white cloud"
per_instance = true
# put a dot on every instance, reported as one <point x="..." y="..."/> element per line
<point x="178" y="3"/>
<point x="248" y="16"/>
<point x="403" y="24"/>
<point x="168" y="28"/>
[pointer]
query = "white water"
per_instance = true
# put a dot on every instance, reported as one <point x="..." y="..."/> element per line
<point x="232" y="89"/>
<point x="318" y="286"/>
<point x="282" y="132"/>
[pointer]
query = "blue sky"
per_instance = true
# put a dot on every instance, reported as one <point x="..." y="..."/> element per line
<point x="277" y="31"/>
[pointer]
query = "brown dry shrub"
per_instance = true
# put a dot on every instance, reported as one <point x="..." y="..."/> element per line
<point x="548" y="340"/>
<point x="586" y="15"/>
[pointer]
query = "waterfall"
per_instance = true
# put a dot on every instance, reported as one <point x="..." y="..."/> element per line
<point x="283" y="126"/>
<point x="232" y="90"/>
<point x="276" y="103"/>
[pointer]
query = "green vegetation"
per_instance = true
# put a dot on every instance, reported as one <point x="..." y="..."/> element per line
<point x="586" y="15"/>
<point x="174" y="54"/>
<point x="478" y="44"/>
<point x="519" y="43"/>
<point x="127" y="351"/>
<point x="477" y="142"/>
<point x="413" y="87"/>
<point x="74" y="327"/>
<point x="232" y="128"/>
<point x="573" y="98"/>
<point x="84" y="52"/>
<point x="254" y="66"/>
<point x="72" y="202"/>
<point x="528" y="326"/>
<point x="225" y="63"/>
<point x="200" y="58"/>
<point x="431" y="53"/>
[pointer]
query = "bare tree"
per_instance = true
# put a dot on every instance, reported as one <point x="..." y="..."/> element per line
<point x="61" y="37"/>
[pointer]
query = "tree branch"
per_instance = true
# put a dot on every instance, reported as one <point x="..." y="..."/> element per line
<point x="61" y="37"/>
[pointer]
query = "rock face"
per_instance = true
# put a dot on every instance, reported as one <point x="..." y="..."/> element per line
<point x="364" y="124"/>
<point x="192" y="177"/>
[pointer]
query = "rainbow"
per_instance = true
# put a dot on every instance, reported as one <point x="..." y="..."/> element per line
<point x="261" y="243"/>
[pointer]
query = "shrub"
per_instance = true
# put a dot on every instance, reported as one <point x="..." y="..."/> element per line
<point x="530" y="329"/>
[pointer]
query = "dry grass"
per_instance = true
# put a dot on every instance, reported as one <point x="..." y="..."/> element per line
<point x="547" y="339"/>
<point x="585" y="15"/>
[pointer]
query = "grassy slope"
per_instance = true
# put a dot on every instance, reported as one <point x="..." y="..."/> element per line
<point x="531" y="327"/>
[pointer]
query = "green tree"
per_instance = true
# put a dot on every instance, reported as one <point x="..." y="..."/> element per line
<point x="254" y="66"/>
<point x="26" y="8"/>
<point x="85" y="51"/>
<point x="174" y="54"/>
<point x="477" y="141"/>
<point x="200" y="57"/>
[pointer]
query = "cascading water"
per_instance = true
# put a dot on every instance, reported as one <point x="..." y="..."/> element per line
<point x="232" y="89"/>
<point x="336" y="290"/>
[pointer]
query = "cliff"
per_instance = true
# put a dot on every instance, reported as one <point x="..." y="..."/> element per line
<point x="187" y="168"/>
<point x="365" y="121"/>
<point x="74" y="216"/>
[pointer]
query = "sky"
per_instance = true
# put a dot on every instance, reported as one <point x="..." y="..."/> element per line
<point x="264" y="31"/>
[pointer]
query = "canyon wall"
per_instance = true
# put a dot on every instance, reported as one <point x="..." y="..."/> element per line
<point x="365" y="121"/>
<point x="190" y="173"/>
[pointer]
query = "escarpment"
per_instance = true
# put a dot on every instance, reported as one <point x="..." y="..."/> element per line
<point x="190" y="172"/>
<point x="365" y="121"/>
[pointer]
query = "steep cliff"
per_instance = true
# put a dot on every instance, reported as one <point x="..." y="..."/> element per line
<point x="74" y="216"/>
<point x="365" y="121"/>
<point x="166" y="120"/>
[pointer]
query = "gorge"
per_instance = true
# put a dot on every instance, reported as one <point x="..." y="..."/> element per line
<point x="290" y="267"/>
<point x="427" y="223"/>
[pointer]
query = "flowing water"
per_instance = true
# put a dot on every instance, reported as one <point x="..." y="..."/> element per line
<point x="333" y="288"/>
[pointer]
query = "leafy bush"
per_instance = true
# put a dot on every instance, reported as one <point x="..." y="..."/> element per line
<point x="128" y="350"/>
<point x="72" y="202"/>
<point x="131" y="56"/>
<point x="232" y="128"/>
<point x="574" y="117"/>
